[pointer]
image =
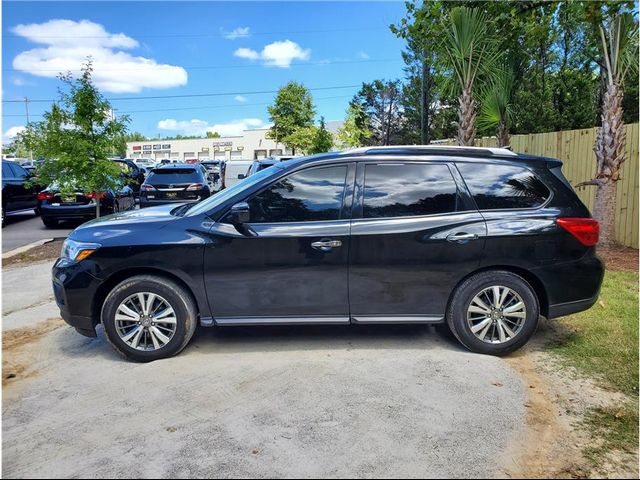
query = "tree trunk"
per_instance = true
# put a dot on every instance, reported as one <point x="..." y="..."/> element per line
<point x="604" y="211"/>
<point x="466" y="119"/>
<point x="424" y="102"/>
<point x="610" y="154"/>
<point x="503" y="135"/>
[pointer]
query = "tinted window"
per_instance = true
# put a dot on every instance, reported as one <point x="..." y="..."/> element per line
<point x="503" y="186"/>
<point x="407" y="190"/>
<point x="310" y="195"/>
<point x="6" y="170"/>
<point x="18" y="171"/>
<point x="173" y="175"/>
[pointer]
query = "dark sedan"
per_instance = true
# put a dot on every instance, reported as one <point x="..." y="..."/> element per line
<point x="55" y="206"/>
<point x="174" y="183"/>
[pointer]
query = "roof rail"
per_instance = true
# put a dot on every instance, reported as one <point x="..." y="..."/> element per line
<point x="417" y="149"/>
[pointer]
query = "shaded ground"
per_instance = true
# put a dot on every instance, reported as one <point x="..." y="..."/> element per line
<point x="48" y="251"/>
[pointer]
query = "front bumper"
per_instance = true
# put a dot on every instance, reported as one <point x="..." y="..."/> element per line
<point x="74" y="288"/>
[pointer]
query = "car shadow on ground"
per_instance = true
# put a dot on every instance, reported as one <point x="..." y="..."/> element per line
<point x="289" y="338"/>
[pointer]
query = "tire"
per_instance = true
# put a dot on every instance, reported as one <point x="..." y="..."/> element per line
<point x="49" y="222"/>
<point x="176" y="296"/>
<point x="496" y="340"/>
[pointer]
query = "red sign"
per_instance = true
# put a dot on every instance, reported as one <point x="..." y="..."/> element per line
<point x="137" y="147"/>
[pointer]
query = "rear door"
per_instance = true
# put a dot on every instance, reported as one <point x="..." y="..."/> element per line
<point x="290" y="263"/>
<point x="23" y="197"/>
<point x="414" y="235"/>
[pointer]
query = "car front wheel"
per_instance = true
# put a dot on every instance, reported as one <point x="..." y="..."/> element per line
<point x="493" y="312"/>
<point x="147" y="318"/>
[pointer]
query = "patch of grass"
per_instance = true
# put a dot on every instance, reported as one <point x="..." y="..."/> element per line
<point x="603" y="341"/>
<point x="615" y="428"/>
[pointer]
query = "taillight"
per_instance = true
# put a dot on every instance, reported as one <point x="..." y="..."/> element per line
<point x="44" y="196"/>
<point x="586" y="230"/>
<point x="195" y="186"/>
<point x="146" y="187"/>
<point x="92" y="195"/>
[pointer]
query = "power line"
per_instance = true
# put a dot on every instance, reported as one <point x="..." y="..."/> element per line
<point x="198" y="35"/>
<point x="192" y="95"/>
<point x="218" y="67"/>
<point x="203" y="107"/>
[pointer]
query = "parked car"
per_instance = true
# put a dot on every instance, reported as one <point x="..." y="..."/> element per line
<point x="485" y="240"/>
<point x="215" y="170"/>
<point x="55" y="206"/>
<point x="236" y="171"/>
<point x="17" y="196"/>
<point x="176" y="182"/>
<point x="131" y="174"/>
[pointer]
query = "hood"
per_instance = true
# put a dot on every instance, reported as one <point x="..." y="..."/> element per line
<point x="125" y="223"/>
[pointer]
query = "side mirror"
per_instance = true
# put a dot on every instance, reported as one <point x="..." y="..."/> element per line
<point x="241" y="176"/>
<point x="239" y="214"/>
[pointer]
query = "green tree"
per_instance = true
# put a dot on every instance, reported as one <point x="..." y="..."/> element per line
<point x="496" y="111"/>
<point x="16" y="147"/>
<point x="120" y="141"/>
<point x="76" y="137"/>
<point x="323" y="140"/>
<point x="213" y="135"/>
<point x="471" y="51"/>
<point x="355" y="130"/>
<point x="380" y="101"/>
<point x="292" y="110"/>
<point x="619" y="43"/>
<point x="302" y="139"/>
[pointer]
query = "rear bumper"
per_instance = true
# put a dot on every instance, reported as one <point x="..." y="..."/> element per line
<point x="568" y="308"/>
<point x="71" y="212"/>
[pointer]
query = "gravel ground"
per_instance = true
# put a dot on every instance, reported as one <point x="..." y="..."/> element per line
<point x="379" y="401"/>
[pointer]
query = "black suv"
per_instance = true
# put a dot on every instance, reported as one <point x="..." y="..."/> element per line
<point x="17" y="197"/>
<point x="176" y="182"/>
<point x="483" y="239"/>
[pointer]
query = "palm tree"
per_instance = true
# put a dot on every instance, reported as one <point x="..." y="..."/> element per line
<point x="496" y="109"/>
<point x="471" y="51"/>
<point x="619" y="55"/>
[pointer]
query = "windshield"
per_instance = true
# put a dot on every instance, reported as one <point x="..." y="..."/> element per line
<point x="227" y="193"/>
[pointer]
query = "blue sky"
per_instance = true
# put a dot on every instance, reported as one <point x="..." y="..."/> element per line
<point x="182" y="48"/>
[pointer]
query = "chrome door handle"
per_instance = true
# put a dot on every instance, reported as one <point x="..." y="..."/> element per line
<point x="461" y="237"/>
<point x="326" y="245"/>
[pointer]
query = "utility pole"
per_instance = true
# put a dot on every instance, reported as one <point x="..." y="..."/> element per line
<point x="26" y="106"/>
<point x="424" y="102"/>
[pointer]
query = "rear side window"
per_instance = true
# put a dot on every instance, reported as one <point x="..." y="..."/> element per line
<point x="503" y="186"/>
<point x="402" y="190"/>
<point x="6" y="170"/>
<point x="173" y="175"/>
<point x="18" y="171"/>
<point x="310" y="195"/>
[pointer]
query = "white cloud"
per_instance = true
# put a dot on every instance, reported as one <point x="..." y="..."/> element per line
<point x="11" y="133"/>
<point x="67" y="44"/>
<point x="246" y="53"/>
<point x="364" y="55"/>
<point x="277" y="54"/>
<point x="240" y="98"/>
<point x="201" y="127"/>
<point x="240" y="32"/>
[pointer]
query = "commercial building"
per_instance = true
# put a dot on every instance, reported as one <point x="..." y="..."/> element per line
<point x="250" y="145"/>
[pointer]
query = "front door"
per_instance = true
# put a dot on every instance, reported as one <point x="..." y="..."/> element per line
<point x="415" y="234"/>
<point x="289" y="263"/>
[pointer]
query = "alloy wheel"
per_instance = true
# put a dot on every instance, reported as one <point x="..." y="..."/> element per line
<point x="145" y="321"/>
<point x="496" y="314"/>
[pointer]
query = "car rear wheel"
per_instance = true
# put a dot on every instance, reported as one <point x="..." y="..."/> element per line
<point x="49" y="222"/>
<point x="493" y="312"/>
<point x="147" y="318"/>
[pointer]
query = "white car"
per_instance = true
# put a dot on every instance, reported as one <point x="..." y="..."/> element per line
<point x="236" y="171"/>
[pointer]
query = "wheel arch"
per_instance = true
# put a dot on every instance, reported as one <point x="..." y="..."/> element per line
<point x="109" y="284"/>
<point x="530" y="278"/>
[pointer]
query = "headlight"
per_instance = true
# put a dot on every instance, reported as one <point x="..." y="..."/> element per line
<point x="77" y="251"/>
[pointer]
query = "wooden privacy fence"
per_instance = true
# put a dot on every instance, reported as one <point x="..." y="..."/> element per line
<point x="575" y="149"/>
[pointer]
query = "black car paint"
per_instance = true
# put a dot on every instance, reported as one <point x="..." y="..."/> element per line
<point x="404" y="268"/>
<point x="113" y="201"/>
<point x="158" y="196"/>
<point x="17" y="194"/>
